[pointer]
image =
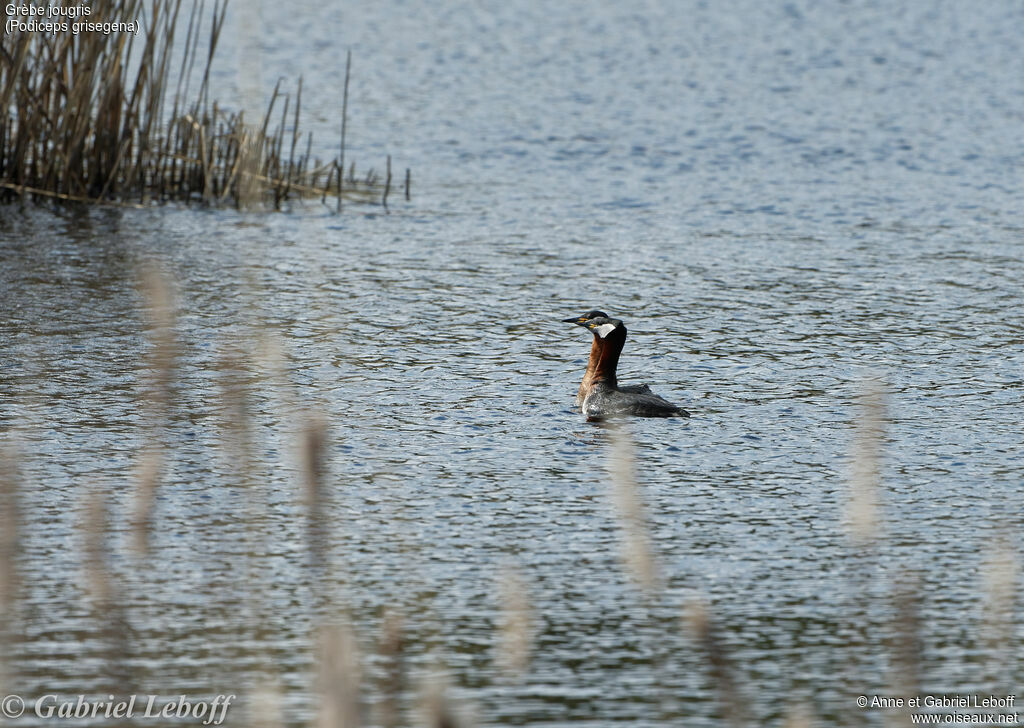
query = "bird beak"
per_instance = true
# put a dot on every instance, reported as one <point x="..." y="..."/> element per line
<point x="578" y="320"/>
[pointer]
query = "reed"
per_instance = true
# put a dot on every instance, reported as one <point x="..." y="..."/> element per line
<point x="731" y="704"/>
<point x="637" y="552"/>
<point x="863" y="507"/>
<point x="391" y="647"/>
<point x="107" y="592"/>
<point x="156" y="402"/>
<point x="514" y="638"/>
<point x="94" y="117"/>
<point x="10" y="517"/>
<point x="339" y="679"/>
<point x="999" y="587"/>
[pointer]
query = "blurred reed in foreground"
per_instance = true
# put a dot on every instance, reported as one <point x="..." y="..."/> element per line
<point x="637" y="552"/>
<point x="863" y="507"/>
<point x="90" y="117"/>
<point x="731" y="703"/>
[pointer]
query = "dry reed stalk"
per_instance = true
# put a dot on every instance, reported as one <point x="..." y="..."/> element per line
<point x="344" y="126"/>
<point x="636" y="547"/>
<point x="1000" y="580"/>
<point x="245" y="171"/>
<point x="161" y="322"/>
<point x="236" y="414"/>
<point x="240" y="378"/>
<point x="10" y="517"/>
<point x="730" y="700"/>
<point x="293" y="169"/>
<point x="238" y="448"/>
<point x="147" y="478"/>
<point x="263" y="706"/>
<point x="23" y="190"/>
<point x="862" y="524"/>
<point x="338" y="679"/>
<point x="392" y="649"/>
<point x="160" y="315"/>
<point x="862" y="511"/>
<point x="314" y="468"/>
<point x="799" y="716"/>
<point x="514" y="635"/>
<point x="906" y="648"/>
<point x="94" y="551"/>
<point x="437" y="709"/>
<point x="105" y="593"/>
<point x="637" y="553"/>
<point x="314" y="462"/>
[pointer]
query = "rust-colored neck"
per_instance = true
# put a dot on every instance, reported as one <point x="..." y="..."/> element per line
<point x="604" y="358"/>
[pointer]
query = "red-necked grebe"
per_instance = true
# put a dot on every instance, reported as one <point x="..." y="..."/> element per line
<point x="600" y="395"/>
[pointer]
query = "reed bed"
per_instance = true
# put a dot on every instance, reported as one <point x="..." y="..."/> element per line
<point x="94" y="117"/>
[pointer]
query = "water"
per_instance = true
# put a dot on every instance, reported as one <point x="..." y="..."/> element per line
<point x="779" y="201"/>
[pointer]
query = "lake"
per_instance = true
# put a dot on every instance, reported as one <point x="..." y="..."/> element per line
<point x="807" y="214"/>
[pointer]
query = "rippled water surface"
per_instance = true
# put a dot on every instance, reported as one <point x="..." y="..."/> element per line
<point x="779" y="200"/>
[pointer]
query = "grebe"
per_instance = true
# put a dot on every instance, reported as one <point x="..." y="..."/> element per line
<point x="600" y="395"/>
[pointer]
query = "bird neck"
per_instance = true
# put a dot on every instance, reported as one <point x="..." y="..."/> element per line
<point x="604" y="358"/>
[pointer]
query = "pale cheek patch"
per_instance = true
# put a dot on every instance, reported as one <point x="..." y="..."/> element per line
<point x="604" y="329"/>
